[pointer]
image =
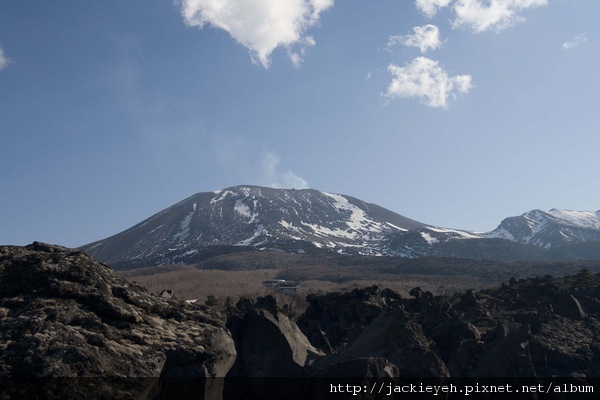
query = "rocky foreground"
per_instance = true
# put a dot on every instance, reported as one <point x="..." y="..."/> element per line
<point x="64" y="315"/>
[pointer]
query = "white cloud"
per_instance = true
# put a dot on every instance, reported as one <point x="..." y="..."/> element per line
<point x="4" y="60"/>
<point x="579" y="39"/>
<point x="430" y="7"/>
<point x="424" y="78"/>
<point x="424" y="37"/>
<point x="260" y="25"/>
<point x="272" y="177"/>
<point x="483" y="15"/>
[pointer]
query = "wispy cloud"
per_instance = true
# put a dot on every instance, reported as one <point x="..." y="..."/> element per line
<point x="579" y="39"/>
<point x="424" y="37"/>
<point x="425" y="79"/>
<point x="4" y="60"/>
<point x="484" y="15"/>
<point x="260" y="25"/>
<point x="297" y="57"/>
<point x="273" y="177"/>
<point x="430" y="7"/>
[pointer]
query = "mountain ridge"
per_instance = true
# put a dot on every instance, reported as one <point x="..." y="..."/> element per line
<point x="550" y="229"/>
<point x="297" y="220"/>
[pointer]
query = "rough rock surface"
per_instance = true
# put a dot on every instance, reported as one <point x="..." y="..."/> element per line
<point x="334" y="320"/>
<point x="392" y="345"/>
<point x="268" y="343"/>
<point x="398" y="338"/>
<point x="532" y="327"/>
<point x="64" y="315"/>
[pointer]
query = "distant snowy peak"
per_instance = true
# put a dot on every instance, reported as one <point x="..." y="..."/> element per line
<point x="549" y="229"/>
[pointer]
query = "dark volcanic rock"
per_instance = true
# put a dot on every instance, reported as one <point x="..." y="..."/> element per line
<point x="64" y="315"/>
<point x="398" y="338"/>
<point x="568" y="306"/>
<point x="449" y="333"/>
<point x="268" y="343"/>
<point x="504" y="353"/>
<point x="334" y="320"/>
<point x="531" y="327"/>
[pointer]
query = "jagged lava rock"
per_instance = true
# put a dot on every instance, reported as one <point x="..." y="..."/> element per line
<point x="269" y="344"/>
<point x="537" y="327"/>
<point x="334" y="320"/>
<point x="397" y="337"/>
<point x="64" y="315"/>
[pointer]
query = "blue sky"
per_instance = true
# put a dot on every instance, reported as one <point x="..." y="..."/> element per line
<point x="456" y="113"/>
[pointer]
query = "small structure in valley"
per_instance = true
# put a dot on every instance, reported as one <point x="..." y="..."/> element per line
<point x="168" y="294"/>
<point x="274" y="283"/>
<point x="281" y="285"/>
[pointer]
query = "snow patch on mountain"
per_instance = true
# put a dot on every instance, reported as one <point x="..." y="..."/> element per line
<point x="220" y="195"/>
<point x="291" y="228"/>
<point x="242" y="209"/>
<point x="396" y="227"/>
<point x="258" y="232"/>
<point x="428" y="238"/>
<point x="184" y="227"/>
<point x="581" y="219"/>
<point x="499" y="233"/>
<point x="324" y="231"/>
<point x="357" y="220"/>
<point x="157" y="228"/>
<point x="461" y="234"/>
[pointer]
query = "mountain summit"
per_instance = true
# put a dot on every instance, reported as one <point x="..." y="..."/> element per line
<point x="298" y="220"/>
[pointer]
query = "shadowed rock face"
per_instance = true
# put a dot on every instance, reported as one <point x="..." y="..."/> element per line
<point x="63" y="314"/>
<point x="395" y="336"/>
<point x="334" y="320"/>
<point x="532" y="327"/>
<point x="269" y="344"/>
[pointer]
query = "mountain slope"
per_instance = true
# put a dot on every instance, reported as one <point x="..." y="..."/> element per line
<point x="254" y="216"/>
